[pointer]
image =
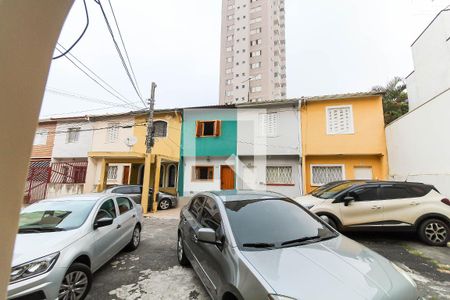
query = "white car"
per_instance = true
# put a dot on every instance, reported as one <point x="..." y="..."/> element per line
<point x="383" y="205"/>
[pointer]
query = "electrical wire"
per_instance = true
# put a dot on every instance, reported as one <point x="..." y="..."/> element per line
<point x="119" y="52"/>
<point x="79" y="38"/>
<point x="97" y="82"/>
<point x="87" y="110"/>
<point x="71" y="125"/>
<point x="84" y="98"/>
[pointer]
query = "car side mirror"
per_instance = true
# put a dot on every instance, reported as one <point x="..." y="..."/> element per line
<point x="348" y="200"/>
<point x="103" y="222"/>
<point x="207" y="235"/>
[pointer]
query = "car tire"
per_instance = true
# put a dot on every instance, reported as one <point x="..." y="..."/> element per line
<point x="434" y="232"/>
<point x="181" y="255"/>
<point x="164" y="204"/>
<point x="333" y="224"/>
<point x="135" y="239"/>
<point x="78" y="276"/>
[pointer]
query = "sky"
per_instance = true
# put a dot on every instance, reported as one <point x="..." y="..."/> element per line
<point x="332" y="47"/>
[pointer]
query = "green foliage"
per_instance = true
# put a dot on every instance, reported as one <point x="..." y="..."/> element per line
<point x="395" y="99"/>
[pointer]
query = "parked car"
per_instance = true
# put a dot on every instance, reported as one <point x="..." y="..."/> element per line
<point x="260" y="245"/>
<point x="383" y="205"/>
<point x="61" y="242"/>
<point x="165" y="201"/>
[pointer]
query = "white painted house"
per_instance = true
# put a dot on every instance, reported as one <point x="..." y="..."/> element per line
<point x="269" y="147"/>
<point x="419" y="142"/>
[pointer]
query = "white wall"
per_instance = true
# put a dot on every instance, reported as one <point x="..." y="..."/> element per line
<point x="419" y="145"/>
<point x="191" y="187"/>
<point x="251" y="141"/>
<point x="431" y="56"/>
<point x="252" y="174"/>
<point x="62" y="149"/>
<point x="100" y="141"/>
<point x="55" y="190"/>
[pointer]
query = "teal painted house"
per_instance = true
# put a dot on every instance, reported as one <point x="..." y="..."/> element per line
<point x="208" y="150"/>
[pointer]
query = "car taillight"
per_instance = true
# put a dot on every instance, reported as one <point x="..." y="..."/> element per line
<point x="446" y="201"/>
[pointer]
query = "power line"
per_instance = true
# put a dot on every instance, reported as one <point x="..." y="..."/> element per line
<point x="79" y="38"/>
<point x="96" y="81"/>
<point x="94" y="74"/>
<point x="124" y="125"/>
<point x="88" y="110"/>
<point x="123" y="45"/>
<point x="120" y="53"/>
<point x="84" y="98"/>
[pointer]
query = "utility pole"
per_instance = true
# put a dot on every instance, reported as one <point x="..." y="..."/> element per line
<point x="151" y="107"/>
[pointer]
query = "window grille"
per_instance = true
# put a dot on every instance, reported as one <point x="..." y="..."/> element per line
<point x="339" y="120"/>
<point x="160" y="129"/>
<point x="112" y="132"/>
<point x="279" y="175"/>
<point x="324" y="174"/>
<point x="268" y="124"/>
<point x="112" y="172"/>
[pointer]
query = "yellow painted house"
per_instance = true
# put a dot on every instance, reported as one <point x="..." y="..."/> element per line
<point x="343" y="137"/>
<point x="126" y="153"/>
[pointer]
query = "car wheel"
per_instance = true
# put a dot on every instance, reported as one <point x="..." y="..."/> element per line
<point x="434" y="232"/>
<point x="76" y="283"/>
<point x="135" y="239"/>
<point x="164" y="204"/>
<point x="333" y="224"/>
<point x="182" y="259"/>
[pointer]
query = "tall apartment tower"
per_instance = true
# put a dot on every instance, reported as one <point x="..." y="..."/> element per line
<point x="253" y="55"/>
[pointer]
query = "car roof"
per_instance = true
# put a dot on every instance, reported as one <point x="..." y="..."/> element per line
<point x="361" y="182"/>
<point x="81" y="197"/>
<point x="243" y="195"/>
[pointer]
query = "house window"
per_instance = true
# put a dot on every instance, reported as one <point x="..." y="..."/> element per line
<point x="230" y="59"/>
<point x="40" y="138"/>
<point x="268" y="124"/>
<point x="208" y="128"/>
<point x="255" y="53"/>
<point x="203" y="173"/>
<point x="323" y="174"/>
<point x="256" y="65"/>
<point x="228" y="71"/>
<point x="112" y="133"/>
<point x="160" y="129"/>
<point x="256" y="89"/>
<point x="73" y="135"/>
<point x="256" y="77"/>
<point x="256" y="30"/>
<point x="339" y="120"/>
<point x="171" y="176"/>
<point x="112" y="172"/>
<point x="256" y="42"/>
<point x="279" y="175"/>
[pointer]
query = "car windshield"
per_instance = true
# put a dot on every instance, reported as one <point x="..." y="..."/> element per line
<point x="330" y="190"/>
<point x="273" y="223"/>
<point x="54" y="216"/>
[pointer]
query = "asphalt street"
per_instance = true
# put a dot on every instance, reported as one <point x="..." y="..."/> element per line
<point x="152" y="271"/>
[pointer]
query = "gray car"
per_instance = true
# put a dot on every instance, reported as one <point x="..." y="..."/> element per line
<point x="165" y="201"/>
<point x="260" y="245"/>
<point x="61" y="242"/>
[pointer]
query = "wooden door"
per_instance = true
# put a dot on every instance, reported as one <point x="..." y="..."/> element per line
<point x="226" y="178"/>
<point x="126" y="175"/>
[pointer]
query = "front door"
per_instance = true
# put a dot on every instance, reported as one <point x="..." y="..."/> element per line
<point x="126" y="175"/>
<point x="226" y="178"/>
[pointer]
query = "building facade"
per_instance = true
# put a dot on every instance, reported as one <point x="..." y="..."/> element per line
<point x="269" y="147"/>
<point x="253" y="58"/>
<point x="342" y="138"/>
<point x="418" y="142"/>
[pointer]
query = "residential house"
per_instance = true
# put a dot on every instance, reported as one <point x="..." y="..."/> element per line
<point x="269" y="147"/>
<point x="119" y="153"/>
<point x="342" y="138"/>
<point x="41" y="155"/>
<point x="208" y="150"/>
<point x="418" y="142"/>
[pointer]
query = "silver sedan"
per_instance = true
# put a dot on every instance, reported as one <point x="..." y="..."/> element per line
<point x="259" y="245"/>
<point x="61" y="242"/>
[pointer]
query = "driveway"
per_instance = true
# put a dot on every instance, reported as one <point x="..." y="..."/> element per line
<point x="152" y="271"/>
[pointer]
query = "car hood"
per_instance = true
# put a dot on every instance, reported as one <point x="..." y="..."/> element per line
<point x="30" y="246"/>
<point x="335" y="269"/>
<point x="310" y="200"/>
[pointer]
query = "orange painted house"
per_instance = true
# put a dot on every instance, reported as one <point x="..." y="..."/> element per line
<point x="343" y="137"/>
<point x="44" y="140"/>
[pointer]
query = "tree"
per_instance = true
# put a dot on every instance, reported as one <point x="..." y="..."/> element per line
<point x="395" y="99"/>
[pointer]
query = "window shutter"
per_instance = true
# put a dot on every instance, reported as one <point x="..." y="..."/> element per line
<point x="217" y="127"/>
<point x="199" y="128"/>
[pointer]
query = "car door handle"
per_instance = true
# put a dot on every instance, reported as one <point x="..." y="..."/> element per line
<point x="134" y="216"/>
<point x="376" y="207"/>
<point x="414" y="203"/>
<point x="118" y="226"/>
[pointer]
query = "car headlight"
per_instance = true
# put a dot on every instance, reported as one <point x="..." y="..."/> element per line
<point x="280" y="297"/>
<point x="406" y="275"/>
<point x="33" y="268"/>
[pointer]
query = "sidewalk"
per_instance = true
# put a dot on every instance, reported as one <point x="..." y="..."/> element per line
<point x="172" y="213"/>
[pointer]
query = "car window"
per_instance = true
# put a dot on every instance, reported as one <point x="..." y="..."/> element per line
<point x="196" y="206"/>
<point x="395" y="192"/>
<point x="125" y="190"/>
<point x="365" y="194"/>
<point x="272" y="221"/>
<point x="124" y="204"/>
<point x="106" y="210"/>
<point x="418" y="190"/>
<point x="331" y="190"/>
<point x="210" y="215"/>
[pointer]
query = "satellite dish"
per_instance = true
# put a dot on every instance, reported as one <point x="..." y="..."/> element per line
<point x="130" y="141"/>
